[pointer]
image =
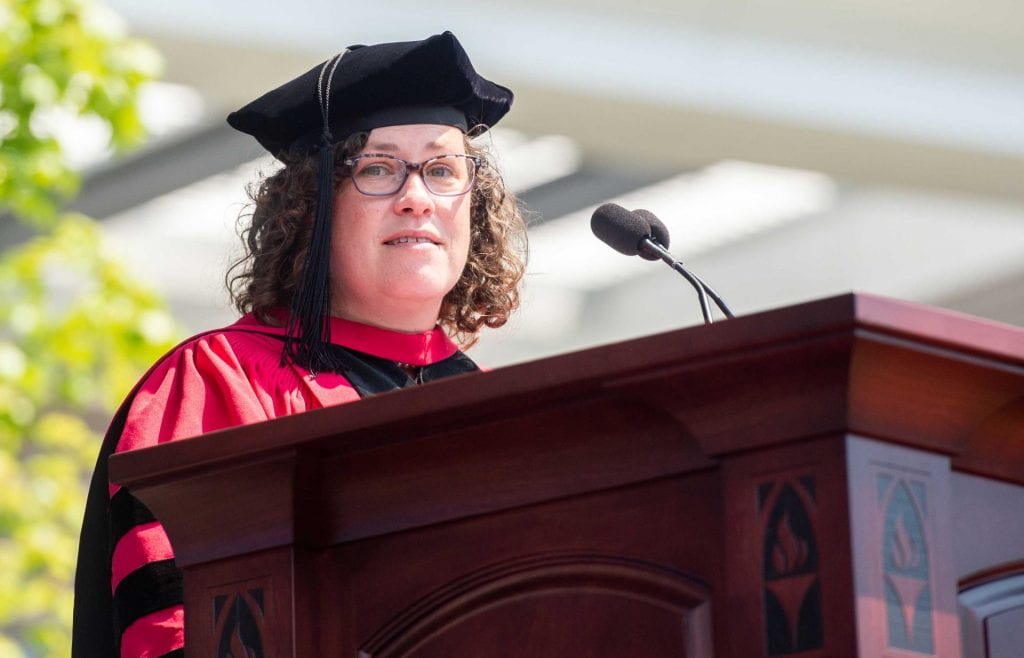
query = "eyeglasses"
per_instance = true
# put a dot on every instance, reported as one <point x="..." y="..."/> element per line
<point x="379" y="174"/>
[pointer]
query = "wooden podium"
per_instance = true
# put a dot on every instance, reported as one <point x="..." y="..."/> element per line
<point x="839" y="478"/>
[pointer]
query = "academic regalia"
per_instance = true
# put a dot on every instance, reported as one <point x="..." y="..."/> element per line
<point x="251" y="372"/>
<point x="216" y="380"/>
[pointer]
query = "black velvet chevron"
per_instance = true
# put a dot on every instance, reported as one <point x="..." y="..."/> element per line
<point x="153" y="587"/>
<point x="126" y="512"/>
<point x="371" y="375"/>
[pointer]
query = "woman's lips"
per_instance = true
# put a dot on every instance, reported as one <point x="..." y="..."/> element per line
<point x="410" y="239"/>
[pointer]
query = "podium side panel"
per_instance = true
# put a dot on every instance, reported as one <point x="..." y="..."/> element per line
<point x="228" y="613"/>
<point x="787" y="564"/>
<point x="905" y="580"/>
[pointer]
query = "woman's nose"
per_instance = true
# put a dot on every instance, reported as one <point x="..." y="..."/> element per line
<point x="414" y="197"/>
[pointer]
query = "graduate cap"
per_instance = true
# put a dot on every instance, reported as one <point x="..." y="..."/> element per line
<point x="367" y="87"/>
<point x="364" y="87"/>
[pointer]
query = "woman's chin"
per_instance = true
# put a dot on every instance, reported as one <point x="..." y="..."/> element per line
<point x="416" y="290"/>
<point x="419" y="283"/>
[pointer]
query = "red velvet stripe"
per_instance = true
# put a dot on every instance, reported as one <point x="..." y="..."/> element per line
<point x="155" y="634"/>
<point x="144" y="544"/>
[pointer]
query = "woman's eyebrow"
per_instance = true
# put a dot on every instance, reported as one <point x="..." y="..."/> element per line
<point x="434" y="145"/>
<point x="382" y="146"/>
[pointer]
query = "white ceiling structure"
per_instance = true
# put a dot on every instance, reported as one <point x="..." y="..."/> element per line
<point x="795" y="149"/>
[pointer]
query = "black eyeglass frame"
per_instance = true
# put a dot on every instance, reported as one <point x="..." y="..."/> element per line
<point x="477" y="161"/>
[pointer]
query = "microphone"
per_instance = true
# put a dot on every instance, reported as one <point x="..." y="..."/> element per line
<point x="620" y="229"/>
<point x="641" y="233"/>
<point x="624" y="231"/>
<point x="657" y="233"/>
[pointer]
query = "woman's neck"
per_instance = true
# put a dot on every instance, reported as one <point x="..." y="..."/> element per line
<point x="405" y="319"/>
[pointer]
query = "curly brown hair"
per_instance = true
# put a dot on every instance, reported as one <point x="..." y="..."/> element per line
<point x="276" y="234"/>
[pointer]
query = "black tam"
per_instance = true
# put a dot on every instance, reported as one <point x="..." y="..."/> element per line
<point x="388" y="84"/>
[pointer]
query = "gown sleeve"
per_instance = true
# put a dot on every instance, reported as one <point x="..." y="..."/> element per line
<point x="199" y="388"/>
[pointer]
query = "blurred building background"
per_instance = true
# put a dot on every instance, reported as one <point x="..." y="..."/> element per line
<point x="796" y="149"/>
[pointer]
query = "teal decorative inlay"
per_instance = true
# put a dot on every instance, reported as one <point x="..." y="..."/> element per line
<point x="908" y="594"/>
<point x="920" y="496"/>
<point x="884" y="481"/>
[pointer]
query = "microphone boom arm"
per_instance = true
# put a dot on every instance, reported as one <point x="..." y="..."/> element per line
<point x="714" y="296"/>
<point x="703" y="289"/>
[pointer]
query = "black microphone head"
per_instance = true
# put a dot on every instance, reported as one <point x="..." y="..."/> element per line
<point x="618" y="228"/>
<point x="656" y="230"/>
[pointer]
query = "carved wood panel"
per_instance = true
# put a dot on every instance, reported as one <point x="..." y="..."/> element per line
<point x="788" y="562"/>
<point x="232" y="617"/>
<point x="788" y="513"/>
<point x="239" y="622"/>
<point x="551" y="606"/>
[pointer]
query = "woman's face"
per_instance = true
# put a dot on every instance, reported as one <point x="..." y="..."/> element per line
<point x="394" y="258"/>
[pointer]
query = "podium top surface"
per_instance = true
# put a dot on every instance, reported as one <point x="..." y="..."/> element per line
<point x="855" y="363"/>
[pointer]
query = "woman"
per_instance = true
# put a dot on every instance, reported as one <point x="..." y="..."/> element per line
<point x="385" y="238"/>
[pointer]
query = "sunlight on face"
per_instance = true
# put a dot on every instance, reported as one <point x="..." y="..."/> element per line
<point x="394" y="258"/>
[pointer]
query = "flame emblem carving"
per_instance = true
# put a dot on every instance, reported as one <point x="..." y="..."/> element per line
<point x="238" y="647"/>
<point x="239" y="624"/>
<point x="906" y="575"/>
<point x="790" y="552"/>
<point x="905" y="552"/>
<point x="792" y="594"/>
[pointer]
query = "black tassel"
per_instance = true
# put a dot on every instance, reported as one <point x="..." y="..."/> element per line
<point x="309" y="327"/>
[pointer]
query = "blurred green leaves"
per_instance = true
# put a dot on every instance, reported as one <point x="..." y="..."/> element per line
<point x="61" y="58"/>
<point x="75" y="330"/>
<point x="76" y="333"/>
